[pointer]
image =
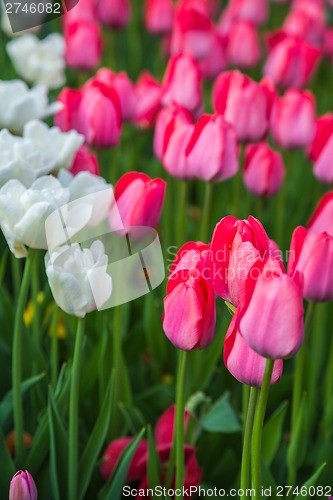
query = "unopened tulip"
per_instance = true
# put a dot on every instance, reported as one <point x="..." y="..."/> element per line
<point x="83" y="44"/>
<point x="291" y="60"/>
<point x="271" y="311"/>
<point x="293" y="119"/>
<point x="236" y="246"/>
<point x="139" y="200"/>
<point x="66" y="118"/>
<point x="84" y="161"/>
<point x="264" y="170"/>
<point x="255" y="12"/>
<point x="216" y="59"/>
<point x="322" y="218"/>
<point x="22" y="487"/>
<point x="244" y="103"/>
<point x="244" y="363"/>
<point x="137" y="468"/>
<point x="306" y="20"/>
<point x="114" y="13"/>
<point x="312" y="254"/>
<point x="212" y="150"/>
<point x="321" y="149"/>
<point x="182" y="83"/>
<point x="243" y="45"/>
<point x="159" y="16"/>
<point x="124" y="88"/>
<point x="148" y="94"/>
<point x="192" y="255"/>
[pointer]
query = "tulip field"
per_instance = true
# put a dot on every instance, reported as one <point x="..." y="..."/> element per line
<point x="166" y="249"/>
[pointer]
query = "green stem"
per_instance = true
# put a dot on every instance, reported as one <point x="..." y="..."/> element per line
<point x="17" y="360"/>
<point x="54" y="347"/>
<point x="117" y="366"/>
<point x="34" y="294"/>
<point x="206" y="211"/>
<point x="245" y="469"/>
<point x="16" y="272"/>
<point x="245" y="404"/>
<point x="258" y="427"/>
<point x="181" y="215"/>
<point x="73" y="454"/>
<point x="180" y="408"/>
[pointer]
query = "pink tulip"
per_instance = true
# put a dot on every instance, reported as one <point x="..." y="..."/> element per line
<point x="244" y="103"/>
<point x="139" y="200"/>
<point x="124" y="88"/>
<point x="159" y="16"/>
<point x="322" y="219"/>
<point x="99" y="115"/>
<point x="192" y="255"/>
<point x="243" y="45"/>
<point x="306" y="20"/>
<point x="244" y="363"/>
<point x="66" y="119"/>
<point x="83" y="44"/>
<point x="236" y="246"/>
<point x="212" y="150"/>
<point x="86" y="11"/>
<point x="321" y="149"/>
<point x="291" y="61"/>
<point x="264" y="170"/>
<point x="312" y="254"/>
<point x="137" y="468"/>
<point x="271" y="311"/>
<point x="84" y="161"/>
<point x="216" y="59"/>
<point x="147" y="100"/>
<point x="293" y="119"/>
<point x="22" y="487"/>
<point x="114" y="13"/>
<point x="182" y="83"/>
<point x="247" y="10"/>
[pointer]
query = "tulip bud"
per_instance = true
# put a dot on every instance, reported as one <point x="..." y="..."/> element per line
<point x="113" y="452"/>
<point x="124" y="88"/>
<point x="216" y="59"/>
<point x="22" y="487"/>
<point x="243" y="45"/>
<point x="322" y="218"/>
<point x="114" y="13"/>
<point x="306" y="20"/>
<point x="84" y="161"/>
<point x="147" y="100"/>
<point x="255" y="12"/>
<point x="83" y="44"/>
<point x="264" y="170"/>
<point x="159" y="16"/>
<point x="293" y="119"/>
<point x="321" y="149"/>
<point x="66" y="118"/>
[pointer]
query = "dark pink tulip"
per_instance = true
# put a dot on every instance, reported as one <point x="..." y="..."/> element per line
<point x="84" y="161"/>
<point x="137" y="468"/>
<point x="66" y="119"/>
<point x="159" y="16"/>
<point x="236" y="246"/>
<point x="312" y="255"/>
<point x="322" y="218"/>
<point x="148" y="94"/>
<point x="271" y="310"/>
<point x="216" y="59"/>
<point x="164" y="428"/>
<point x="83" y="44"/>
<point x="291" y="60"/>
<point x="124" y="88"/>
<point x="212" y="150"/>
<point x="22" y="487"/>
<point x="243" y="45"/>
<point x="139" y="200"/>
<point x="293" y="119"/>
<point x="86" y="11"/>
<point x="182" y="83"/>
<point x="99" y="115"/>
<point x="264" y="170"/>
<point x="244" y="363"/>
<point x="244" y="103"/>
<point x="247" y="10"/>
<point x="321" y="149"/>
<point x="114" y="13"/>
<point x="189" y="310"/>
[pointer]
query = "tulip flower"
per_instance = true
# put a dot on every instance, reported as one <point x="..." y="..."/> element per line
<point x="244" y="363"/>
<point x="243" y="45"/>
<point x="139" y="201"/>
<point x="78" y="277"/>
<point x="147" y="100"/>
<point x="321" y="149"/>
<point x="271" y="310"/>
<point x="69" y="101"/>
<point x="114" y="13"/>
<point x="212" y="150"/>
<point x="19" y="105"/>
<point x="22" y="487"/>
<point x="236" y="246"/>
<point x="83" y="34"/>
<point x="291" y="61"/>
<point x="264" y="170"/>
<point x="293" y="119"/>
<point x="322" y="219"/>
<point x="312" y="255"/>
<point x="192" y="255"/>
<point x="137" y="468"/>
<point x="124" y="88"/>
<point x="182" y="83"/>
<point x="84" y="161"/>
<point x="159" y="16"/>
<point x="168" y="120"/>
<point x="216" y="59"/>
<point x="306" y="20"/>
<point x="244" y="103"/>
<point x="255" y="12"/>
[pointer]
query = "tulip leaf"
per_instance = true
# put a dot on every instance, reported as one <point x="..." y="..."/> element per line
<point x="154" y="465"/>
<point x="113" y="488"/>
<point x="6" y="406"/>
<point x="133" y="417"/>
<point x="312" y="481"/>
<point x="221" y="417"/>
<point x="7" y="465"/>
<point x="3" y="264"/>
<point x="58" y="450"/>
<point x="96" y="440"/>
<point x="272" y="433"/>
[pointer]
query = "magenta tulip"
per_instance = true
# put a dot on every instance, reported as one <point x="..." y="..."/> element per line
<point x="22" y="487"/>
<point x="114" y="13"/>
<point x="322" y="218"/>
<point x="321" y="149"/>
<point x="83" y="44"/>
<point x="147" y="100"/>
<point x="159" y="16"/>
<point x="84" y="161"/>
<point x="243" y="45"/>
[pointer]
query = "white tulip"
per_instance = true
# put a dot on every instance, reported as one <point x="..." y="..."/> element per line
<point x="23" y="212"/>
<point x="39" y="61"/>
<point x="78" y="277"/>
<point x="58" y="147"/>
<point x="19" y="104"/>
